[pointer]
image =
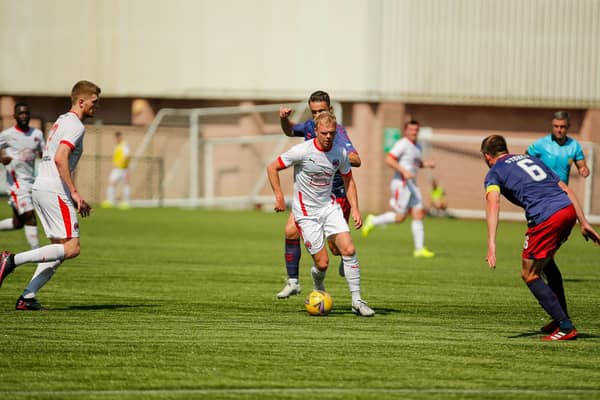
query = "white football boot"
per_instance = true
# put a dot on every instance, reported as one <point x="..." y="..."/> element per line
<point x="361" y="309"/>
<point x="291" y="288"/>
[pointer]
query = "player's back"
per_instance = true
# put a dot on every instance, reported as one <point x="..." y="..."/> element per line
<point x="69" y="130"/>
<point x="528" y="183"/>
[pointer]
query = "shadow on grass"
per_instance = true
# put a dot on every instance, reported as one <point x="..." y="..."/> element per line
<point x="348" y="311"/>
<point x="93" y="307"/>
<point x="537" y="333"/>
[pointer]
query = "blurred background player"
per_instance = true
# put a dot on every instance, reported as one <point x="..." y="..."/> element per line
<point x="119" y="174"/>
<point x="551" y="209"/>
<point x="405" y="158"/>
<point x="20" y="145"/>
<point x="318" y="102"/>
<point x="439" y="202"/>
<point x="55" y="196"/>
<point x="558" y="151"/>
<point x="316" y="161"/>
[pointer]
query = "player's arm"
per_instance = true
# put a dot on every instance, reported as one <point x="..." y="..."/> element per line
<point x="427" y="164"/>
<point x="392" y="162"/>
<point x="286" y="125"/>
<point x="273" y="175"/>
<point x="587" y="230"/>
<point x="61" y="159"/>
<point x="352" y="195"/>
<point x="492" y="212"/>
<point x="5" y="159"/>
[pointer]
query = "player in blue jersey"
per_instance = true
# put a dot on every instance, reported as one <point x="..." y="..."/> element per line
<point x="551" y="210"/>
<point x="318" y="103"/>
<point x="558" y="151"/>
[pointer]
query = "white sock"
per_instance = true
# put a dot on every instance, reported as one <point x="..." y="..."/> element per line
<point x="7" y="224"/>
<point x="31" y="234"/>
<point x="126" y="193"/>
<point x="110" y="194"/>
<point x="318" y="277"/>
<point x="385" y="218"/>
<point x="418" y="232"/>
<point x="50" y="252"/>
<point x="352" y="274"/>
<point x="293" y="281"/>
<point x="41" y="276"/>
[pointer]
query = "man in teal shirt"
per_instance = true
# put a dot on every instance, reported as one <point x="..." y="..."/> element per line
<point x="558" y="151"/>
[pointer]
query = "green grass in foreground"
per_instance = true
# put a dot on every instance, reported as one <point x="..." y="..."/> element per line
<point x="180" y="304"/>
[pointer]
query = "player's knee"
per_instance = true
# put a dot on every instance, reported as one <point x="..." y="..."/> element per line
<point x="291" y="231"/>
<point x="72" y="250"/>
<point x="348" y="250"/>
<point x="18" y="223"/>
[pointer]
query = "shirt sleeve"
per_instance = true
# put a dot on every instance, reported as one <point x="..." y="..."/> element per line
<point x="345" y="167"/>
<point x="41" y="143"/>
<point x="3" y="142"/>
<point x="292" y="156"/>
<point x="301" y="129"/>
<point x="72" y="135"/>
<point x="492" y="181"/>
<point x="396" y="150"/>
<point x="578" y="152"/>
<point x="532" y="150"/>
<point x="342" y="138"/>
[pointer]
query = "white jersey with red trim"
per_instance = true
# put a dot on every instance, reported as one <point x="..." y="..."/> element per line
<point x="313" y="174"/>
<point x="408" y="155"/>
<point x="23" y="147"/>
<point x="68" y="129"/>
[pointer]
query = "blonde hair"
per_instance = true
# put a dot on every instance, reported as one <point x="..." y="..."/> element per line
<point x="84" y="88"/>
<point x="325" y="118"/>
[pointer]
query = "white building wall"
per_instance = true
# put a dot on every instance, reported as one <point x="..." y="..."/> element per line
<point x="527" y="52"/>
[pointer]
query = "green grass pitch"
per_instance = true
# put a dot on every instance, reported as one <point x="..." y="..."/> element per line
<point x="180" y="304"/>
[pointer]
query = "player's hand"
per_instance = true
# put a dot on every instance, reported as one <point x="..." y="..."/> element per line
<point x="84" y="209"/>
<point x="584" y="171"/>
<point x="279" y="204"/>
<point x="589" y="233"/>
<point x="408" y="176"/>
<point x="285" y="112"/>
<point x="356" y="217"/>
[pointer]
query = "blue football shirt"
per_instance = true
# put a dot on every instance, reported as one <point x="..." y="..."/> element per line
<point x="528" y="183"/>
<point x="306" y="129"/>
<point x="558" y="157"/>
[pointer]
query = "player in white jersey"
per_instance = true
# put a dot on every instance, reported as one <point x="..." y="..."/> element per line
<point x="19" y="147"/>
<point x="405" y="158"/>
<point x="55" y="196"/>
<point x="315" y="210"/>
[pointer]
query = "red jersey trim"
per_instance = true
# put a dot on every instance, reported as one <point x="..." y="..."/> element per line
<point x="393" y="156"/>
<point x="20" y="130"/>
<point x="14" y="178"/>
<point x="302" y="206"/>
<point x="71" y="145"/>
<point x="318" y="147"/>
<point x="281" y="163"/>
<point x="348" y="174"/>
<point x="66" y="215"/>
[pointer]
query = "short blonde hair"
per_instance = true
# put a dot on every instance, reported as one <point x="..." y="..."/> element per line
<point x="325" y="118"/>
<point x="85" y="88"/>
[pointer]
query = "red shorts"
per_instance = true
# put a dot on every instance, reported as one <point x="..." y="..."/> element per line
<point x="345" y="204"/>
<point x="542" y="240"/>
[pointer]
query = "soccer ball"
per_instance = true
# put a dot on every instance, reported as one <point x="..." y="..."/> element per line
<point x="318" y="302"/>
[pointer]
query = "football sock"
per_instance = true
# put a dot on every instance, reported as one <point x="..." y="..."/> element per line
<point x="41" y="276"/>
<point x="7" y="224"/>
<point x="126" y="193"/>
<point x="554" y="278"/>
<point x="418" y="232"/>
<point x="385" y="218"/>
<point x="352" y="274"/>
<point x="318" y="276"/>
<point x="292" y="257"/>
<point x="547" y="299"/>
<point x="31" y="234"/>
<point x="110" y="194"/>
<point x="50" y="252"/>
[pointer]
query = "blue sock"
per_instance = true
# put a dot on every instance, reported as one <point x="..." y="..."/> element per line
<point x="292" y="257"/>
<point x="554" y="279"/>
<point x="547" y="300"/>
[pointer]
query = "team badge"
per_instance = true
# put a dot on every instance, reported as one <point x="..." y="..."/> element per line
<point x="336" y="163"/>
<point x="308" y="244"/>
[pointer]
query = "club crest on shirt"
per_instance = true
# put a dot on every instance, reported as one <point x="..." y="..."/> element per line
<point x="308" y="244"/>
<point x="335" y="163"/>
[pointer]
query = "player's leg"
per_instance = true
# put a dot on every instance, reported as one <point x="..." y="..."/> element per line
<point x="531" y="275"/>
<point x="415" y="203"/>
<point x="319" y="268"/>
<point x="30" y="227"/>
<point x="337" y="229"/>
<point x="292" y="254"/>
<point x="555" y="281"/>
<point x="311" y="230"/>
<point x="14" y="222"/>
<point x="125" y="189"/>
<point x="113" y="178"/>
<point x="398" y="203"/>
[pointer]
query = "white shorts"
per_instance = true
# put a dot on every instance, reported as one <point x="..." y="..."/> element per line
<point x="20" y="199"/>
<point x="405" y="195"/>
<point x="119" y="175"/>
<point x="57" y="213"/>
<point x="314" y="228"/>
